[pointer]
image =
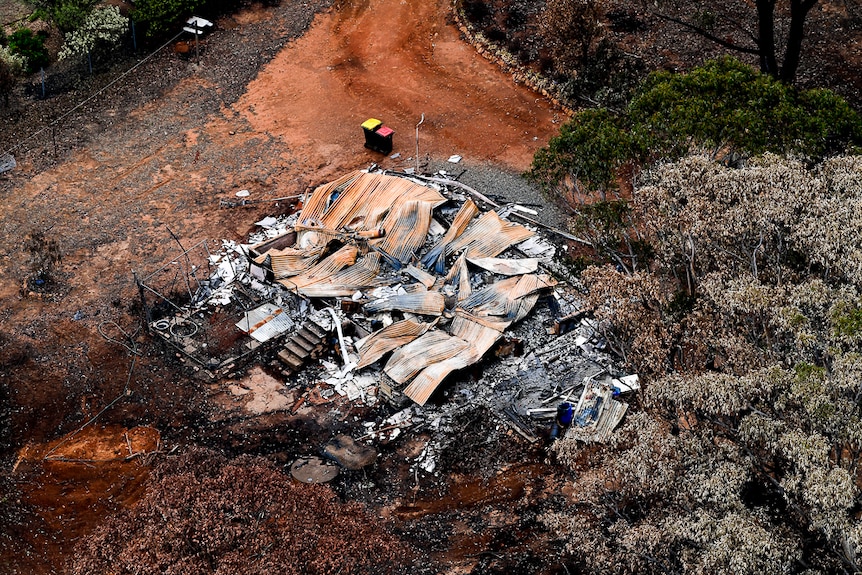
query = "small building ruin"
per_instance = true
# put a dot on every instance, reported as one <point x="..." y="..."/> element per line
<point x="407" y="280"/>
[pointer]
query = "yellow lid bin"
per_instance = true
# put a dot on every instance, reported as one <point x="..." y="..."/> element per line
<point x="377" y="136"/>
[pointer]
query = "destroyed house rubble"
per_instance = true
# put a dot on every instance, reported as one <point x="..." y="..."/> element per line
<point x="428" y="281"/>
<point x="368" y="230"/>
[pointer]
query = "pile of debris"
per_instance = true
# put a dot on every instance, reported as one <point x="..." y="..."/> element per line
<point x="408" y="280"/>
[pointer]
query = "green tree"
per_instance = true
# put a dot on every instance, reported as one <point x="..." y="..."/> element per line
<point x="69" y="15"/>
<point x="589" y="151"/>
<point x="162" y="17"/>
<point x="66" y="15"/>
<point x="724" y="106"/>
<point x="31" y="47"/>
<point x="727" y="106"/>
<point x="103" y="27"/>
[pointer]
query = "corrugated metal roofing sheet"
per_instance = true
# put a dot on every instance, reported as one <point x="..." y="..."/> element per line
<point x="348" y="280"/>
<point x="421" y="388"/>
<point x="362" y="201"/>
<point x="265" y="322"/>
<point x="489" y="236"/>
<point x="421" y="276"/>
<point x="500" y="299"/>
<point x="507" y="267"/>
<point x="321" y="272"/>
<point x="423" y="303"/>
<point x="291" y="261"/>
<point x="358" y="208"/>
<point x="436" y="256"/>
<point x="407" y="227"/>
<point x="389" y="338"/>
<point x="430" y="348"/>
<point x="480" y="339"/>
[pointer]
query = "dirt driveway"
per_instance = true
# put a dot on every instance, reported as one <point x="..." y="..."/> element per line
<point x="394" y="60"/>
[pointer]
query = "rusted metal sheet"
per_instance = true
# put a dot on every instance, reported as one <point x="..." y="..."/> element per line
<point x="407" y="227"/>
<point x="291" y="261"/>
<point x="421" y="388"/>
<point x="346" y="256"/>
<point x="480" y="339"/>
<point x="362" y="201"/>
<point x="489" y="236"/>
<point x="430" y="348"/>
<point x="389" y="338"/>
<point x="501" y="299"/>
<point x="421" y="276"/>
<point x="436" y="256"/>
<point x="423" y="303"/>
<point x="346" y="281"/>
<point x="387" y="214"/>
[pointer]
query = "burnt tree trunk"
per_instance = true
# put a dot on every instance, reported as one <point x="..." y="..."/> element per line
<point x="799" y="10"/>
<point x="766" y="36"/>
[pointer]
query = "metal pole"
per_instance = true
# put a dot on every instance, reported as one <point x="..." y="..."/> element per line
<point x="134" y="38"/>
<point x="197" y="50"/>
<point x="144" y="307"/>
<point x="42" y="72"/>
<point x="90" y="62"/>
<point x="417" y="141"/>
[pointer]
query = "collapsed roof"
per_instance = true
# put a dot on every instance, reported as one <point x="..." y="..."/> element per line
<point x="425" y="282"/>
<point x="368" y="230"/>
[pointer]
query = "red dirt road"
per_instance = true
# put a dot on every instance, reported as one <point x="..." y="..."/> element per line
<point x="394" y="60"/>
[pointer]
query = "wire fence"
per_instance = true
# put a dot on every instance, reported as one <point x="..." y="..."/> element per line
<point x="60" y="121"/>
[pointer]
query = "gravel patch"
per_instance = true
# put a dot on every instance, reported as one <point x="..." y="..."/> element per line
<point x="504" y="186"/>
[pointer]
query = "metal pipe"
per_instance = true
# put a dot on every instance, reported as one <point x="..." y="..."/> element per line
<point x="417" y="141"/>
<point x="337" y="322"/>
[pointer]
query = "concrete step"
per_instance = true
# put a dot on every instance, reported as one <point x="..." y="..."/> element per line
<point x="288" y="358"/>
<point x="297" y="350"/>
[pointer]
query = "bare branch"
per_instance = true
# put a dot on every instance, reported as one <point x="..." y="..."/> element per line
<point x="709" y="36"/>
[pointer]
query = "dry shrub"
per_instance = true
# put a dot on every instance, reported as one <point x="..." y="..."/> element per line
<point x="206" y="515"/>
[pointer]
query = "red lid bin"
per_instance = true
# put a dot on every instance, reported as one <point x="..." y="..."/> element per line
<point x="377" y="136"/>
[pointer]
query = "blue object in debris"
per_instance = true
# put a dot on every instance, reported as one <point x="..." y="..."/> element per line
<point x="565" y="413"/>
<point x="589" y="413"/>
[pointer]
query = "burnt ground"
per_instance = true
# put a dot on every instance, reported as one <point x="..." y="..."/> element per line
<point x="831" y="54"/>
<point x="152" y="156"/>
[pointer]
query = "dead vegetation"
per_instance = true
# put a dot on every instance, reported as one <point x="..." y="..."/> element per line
<point x="205" y="514"/>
